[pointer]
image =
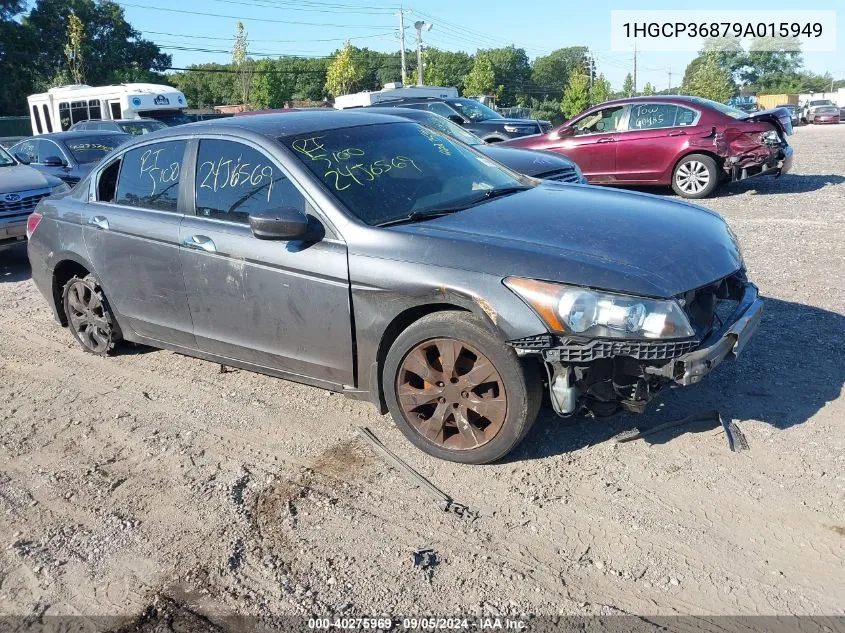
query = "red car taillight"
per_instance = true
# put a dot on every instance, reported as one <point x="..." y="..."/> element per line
<point x="32" y="223"/>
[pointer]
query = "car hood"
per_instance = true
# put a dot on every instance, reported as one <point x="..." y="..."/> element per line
<point x="24" y="178"/>
<point x="780" y="117"/>
<point x="506" y="121"/>
<point x="526" y="161"/>
<point x="602" y="238"/>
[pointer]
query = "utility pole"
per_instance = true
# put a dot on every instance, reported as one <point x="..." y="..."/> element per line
<point x="402" y="45"/>
<point x="420" y="25"/>
<point x="670" y="78"/>
<point x="635" y="68"/>
<point x="590" y="61"/>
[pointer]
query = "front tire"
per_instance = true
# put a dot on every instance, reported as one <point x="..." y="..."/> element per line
<point x="89" y="317"/>
<point x="695" y="176"/>
<point x="457" y="391"/>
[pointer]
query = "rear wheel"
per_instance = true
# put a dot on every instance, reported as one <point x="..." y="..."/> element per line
<point x="89" y="317"/>
<point x="457" y="391"/>
<point x="695" y="176"/>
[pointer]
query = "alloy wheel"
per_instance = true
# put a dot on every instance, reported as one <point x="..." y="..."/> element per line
<point x="451" y="394"/>
<point x="87" y="316"/>
<point x="692" y="177"/>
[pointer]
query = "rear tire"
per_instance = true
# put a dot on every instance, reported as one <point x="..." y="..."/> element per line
<point x="457" y="391"/>
<point x="695" y="176"/>
<point x="89" y="316"/>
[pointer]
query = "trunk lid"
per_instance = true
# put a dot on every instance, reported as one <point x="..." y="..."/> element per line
<point x="779" y="117"/>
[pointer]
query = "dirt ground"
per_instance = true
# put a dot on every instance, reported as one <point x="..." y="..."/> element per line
<point x="152" y="481"/>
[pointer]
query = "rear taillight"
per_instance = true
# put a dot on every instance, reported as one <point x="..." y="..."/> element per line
<point x="32" y="223"/>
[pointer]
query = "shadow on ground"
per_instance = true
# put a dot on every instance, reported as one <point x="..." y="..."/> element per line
<point x="14" y="264"/>
<point x="792" y="368"/>
<point x="761" y="186"/>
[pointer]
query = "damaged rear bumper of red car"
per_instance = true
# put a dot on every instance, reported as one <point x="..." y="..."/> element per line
<point x="775" y="161"/>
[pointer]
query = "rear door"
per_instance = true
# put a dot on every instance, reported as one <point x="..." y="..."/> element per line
<point x="132" y="236"/>
<point x="283" y="305"/>
<point x="655" y="137"/>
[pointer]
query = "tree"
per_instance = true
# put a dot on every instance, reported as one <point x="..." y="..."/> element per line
<point x="576" y="97"/>
<point x="343" y="75"/>
<point x="481" y="80"/>
<point x="242" y="63"/>
<point x="207" y="85"/>
<point x="446" y="68"/>
<point x="601" y="89"/>
<point x="709" y="80"/>
<point x="648" y="89"/>
<point x="73" y="49"/>
<point x="511" y="73"/>
<point x="550" y="73"/>
<point x="628" y="86"/>
<point x="270" y="89"/>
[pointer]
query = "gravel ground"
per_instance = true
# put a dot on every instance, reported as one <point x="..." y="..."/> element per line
<point x="149" y="484"/>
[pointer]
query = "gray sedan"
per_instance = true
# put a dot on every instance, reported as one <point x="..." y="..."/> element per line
<point x="380" y="258"/>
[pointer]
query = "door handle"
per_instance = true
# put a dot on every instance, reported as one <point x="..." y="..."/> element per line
<point x="200" y="243"/>
<point x="606" y="140"/>
<point x="100" y="221"/>
<point x="677" y="133"/>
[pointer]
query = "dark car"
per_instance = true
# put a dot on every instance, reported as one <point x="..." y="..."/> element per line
<point x="525" y="161"/>
<point x="484" y="122"/>
<point x="379" y="258"/>
<point x="689" y="143"/>
<point x="794" y="113"/>
<point x="67" y="155"/>
<point x="135" y="127"/>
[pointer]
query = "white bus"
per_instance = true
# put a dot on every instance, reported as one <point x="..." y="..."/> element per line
<point x="59" y="108"/>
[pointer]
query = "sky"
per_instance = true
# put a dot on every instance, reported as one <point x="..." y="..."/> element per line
<point x="318" y="27"/>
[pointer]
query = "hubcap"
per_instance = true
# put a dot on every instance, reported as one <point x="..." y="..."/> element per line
<point x="692" y="177"/>
<point x="451" y="394"/>
<point x="87" y="317"/>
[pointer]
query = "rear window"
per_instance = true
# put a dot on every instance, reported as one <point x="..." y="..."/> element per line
<point x="90" y="149"/>
<point x="137" y="128"/>
<point x="150" y="175"/>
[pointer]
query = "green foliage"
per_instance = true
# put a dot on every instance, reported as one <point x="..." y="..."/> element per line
<point x="628" y="86"/>
<point x="709" y="80"/>
<point x="344" y="74"/>
<point x="207" y="85"/>
<point x="648" y="90"/>
<point x="546" y="110"/>
<point x="601" y="89"/>
<point x="511" y="74"/>
<point x="550" y="73"/>
<point x="243" y="64"/>
<point x="73" y="49"/>
<point x="481" y="80"/>
<point x="445" y="68"/>
<point x="576" y="97"/>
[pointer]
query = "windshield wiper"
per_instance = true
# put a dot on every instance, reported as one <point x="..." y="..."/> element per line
<point x="489" y="194"/>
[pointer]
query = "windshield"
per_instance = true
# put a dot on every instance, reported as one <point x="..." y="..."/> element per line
<point x="735" y="113"/>
<point x="90" y="149"/>
<point x="5" y="158"/>
<point x="387" y="171"/>
<point x="474" y="110"/>
<point x="169" y="117"/>
<point x="444" y="125"/>
<point x="136" y="128"/>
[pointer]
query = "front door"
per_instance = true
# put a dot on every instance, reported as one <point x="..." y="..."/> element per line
<point x="132" y="235"/>
<point x="276" y="304"/>
<point x="593" y="143"/>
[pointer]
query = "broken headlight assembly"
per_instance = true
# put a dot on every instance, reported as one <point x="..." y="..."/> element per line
<point x="592" y="313"/>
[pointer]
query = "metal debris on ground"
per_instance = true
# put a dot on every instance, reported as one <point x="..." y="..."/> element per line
<point x="426" y="559"/>
<point x="444" y="501"/>
<point x="736" y="439"/>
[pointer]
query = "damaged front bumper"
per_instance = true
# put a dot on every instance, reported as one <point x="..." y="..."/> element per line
<point x="725" y="343"/>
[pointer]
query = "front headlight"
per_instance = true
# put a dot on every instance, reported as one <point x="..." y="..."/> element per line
<point x="60" y="188"/>
<point x="592" y="313"/>
<point x="520" y="129"/>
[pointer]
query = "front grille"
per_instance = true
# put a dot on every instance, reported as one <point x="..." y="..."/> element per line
<point x="24" y="206"/>
<point x="567" y="350"/>
<point x="567" y="174"/>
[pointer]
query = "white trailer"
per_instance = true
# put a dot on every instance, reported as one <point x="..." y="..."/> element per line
<point x="59" y="108"/>
<point x="392" y="91"/>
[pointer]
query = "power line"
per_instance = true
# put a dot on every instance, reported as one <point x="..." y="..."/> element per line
<point x="229" y="39"/>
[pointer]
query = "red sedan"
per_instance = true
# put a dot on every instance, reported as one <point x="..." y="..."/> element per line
<point x="689" y="143"/>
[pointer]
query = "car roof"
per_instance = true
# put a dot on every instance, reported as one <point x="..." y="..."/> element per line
<point x="72" y="134"/>
<point x="677" y="99"/>
<point x="277" y="125"/>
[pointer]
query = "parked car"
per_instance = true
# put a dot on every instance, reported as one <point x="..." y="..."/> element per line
<point x="794" y="113"/>
<point x="525" y="161"/>
<point x="67" y="155"/>
<point x="688" y="143"/>
<point x="376" y="257"/>
<point x="484" y="122"/>
<point x="21" y="188"/>
<point x="821" y="111"/>
<point x="842" y="114"/>
<point x="127" y="126"/>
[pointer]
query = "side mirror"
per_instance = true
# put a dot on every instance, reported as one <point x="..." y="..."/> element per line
<point x="54" y="161"/>
<point x="22" y="158"/>
<point x="454" y="118"/>
<point x="284" y="223"/>
<point x="562" y="132"/>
